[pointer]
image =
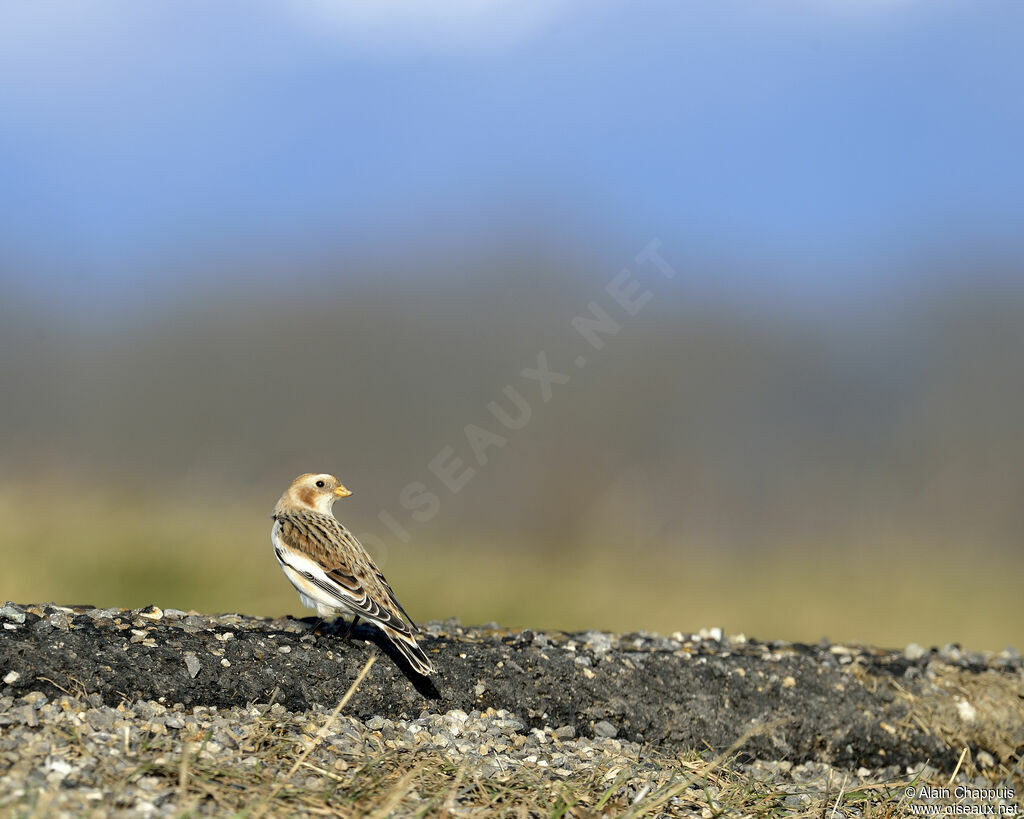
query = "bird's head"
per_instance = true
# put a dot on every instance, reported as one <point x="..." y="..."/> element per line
<point x="316" y="492"/>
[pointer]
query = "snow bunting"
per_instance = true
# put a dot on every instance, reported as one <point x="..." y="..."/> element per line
<point x="331" y="570"/>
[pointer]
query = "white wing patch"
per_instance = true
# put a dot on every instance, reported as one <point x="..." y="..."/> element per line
<point x="301" y="572"/>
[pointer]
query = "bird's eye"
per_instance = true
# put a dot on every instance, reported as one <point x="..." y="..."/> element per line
<point x="320" y="484"/>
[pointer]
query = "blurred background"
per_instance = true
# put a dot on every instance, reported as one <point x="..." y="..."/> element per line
<point x="240" y="241"/>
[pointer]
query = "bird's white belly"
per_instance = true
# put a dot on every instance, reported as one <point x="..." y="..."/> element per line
<point x="313" y="597"/>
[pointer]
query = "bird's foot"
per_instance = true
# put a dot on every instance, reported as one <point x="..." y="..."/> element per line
<point x="351" y="625"/>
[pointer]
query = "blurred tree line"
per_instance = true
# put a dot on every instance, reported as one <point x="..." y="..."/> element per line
<point x="703" y="420"/>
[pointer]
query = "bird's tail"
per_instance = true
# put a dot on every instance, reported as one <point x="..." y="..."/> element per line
<point x="411" y="650"/>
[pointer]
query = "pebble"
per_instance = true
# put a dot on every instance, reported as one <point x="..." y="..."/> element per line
<point x="192" y="664"/>
<point x="966" y="711"/>
<point x="59" y="620"/>
<point x="913" y="652"/>
<point x="193" y="624"/>
<point x="13" y="613"/>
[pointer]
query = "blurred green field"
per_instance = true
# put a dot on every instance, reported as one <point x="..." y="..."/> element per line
<point x="107" y="550"/>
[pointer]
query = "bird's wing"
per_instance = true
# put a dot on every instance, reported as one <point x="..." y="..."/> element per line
<point x="328" y="556"/>
<point x="387" y="587"/>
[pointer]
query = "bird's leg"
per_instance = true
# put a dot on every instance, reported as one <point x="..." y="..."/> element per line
<point x="352" y="625"/>
<point x="316" y="625"/>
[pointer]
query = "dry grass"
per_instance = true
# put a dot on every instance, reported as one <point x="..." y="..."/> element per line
<point x="297" y="776"/>
<point x="135" y="550"/>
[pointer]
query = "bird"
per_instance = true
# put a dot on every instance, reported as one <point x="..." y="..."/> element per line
<point x="331" y="570"/>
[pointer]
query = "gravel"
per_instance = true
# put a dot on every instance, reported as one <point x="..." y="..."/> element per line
<point x="85" y="754"/>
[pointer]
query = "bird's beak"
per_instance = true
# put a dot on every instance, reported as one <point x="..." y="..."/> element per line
<point x="342" y="492"/>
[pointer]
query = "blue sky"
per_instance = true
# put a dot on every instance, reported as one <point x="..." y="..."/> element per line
<point x="142" y="139"/>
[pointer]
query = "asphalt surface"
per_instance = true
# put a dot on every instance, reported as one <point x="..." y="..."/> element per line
<point x="849" y="706"/>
